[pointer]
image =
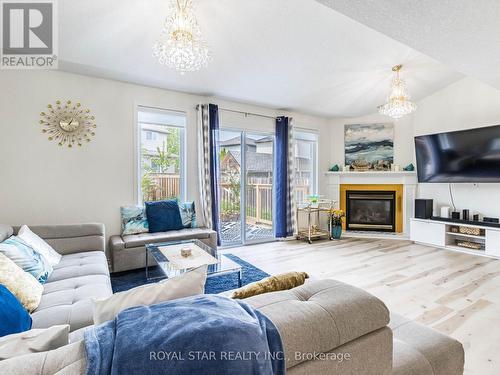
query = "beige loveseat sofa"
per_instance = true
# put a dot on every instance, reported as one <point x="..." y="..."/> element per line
<point x="128" y="252"/>
<point x="327" y="327"/>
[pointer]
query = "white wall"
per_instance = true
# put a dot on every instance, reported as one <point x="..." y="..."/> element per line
<point x="42" y="183"/>
<point x="404" y="153"/>
<point x="462" y="105"/>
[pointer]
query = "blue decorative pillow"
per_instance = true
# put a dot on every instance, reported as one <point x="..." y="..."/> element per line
<point x="163" y="216"/>
<point x="133" y="220"/>
<point x="25" y="257"/>
<point x="13" y="316"/>
<point x="188" y="214"/>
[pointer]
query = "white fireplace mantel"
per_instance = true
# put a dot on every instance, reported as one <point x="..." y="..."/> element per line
<point x="405" y="178"/>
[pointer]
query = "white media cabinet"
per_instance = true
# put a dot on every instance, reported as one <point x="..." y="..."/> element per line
<point x="439" y="234"/>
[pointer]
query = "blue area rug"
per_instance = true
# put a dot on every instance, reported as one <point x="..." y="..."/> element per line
<point x="126" y="280"/>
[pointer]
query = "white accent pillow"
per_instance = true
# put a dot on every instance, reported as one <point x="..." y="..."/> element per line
<point x="22" y="284"/>
<point x="33" y="341"/>
<point x="39" y="245"/>
<point x="188" y="284"/>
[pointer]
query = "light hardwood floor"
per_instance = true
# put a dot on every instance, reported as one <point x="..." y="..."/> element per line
<point x="457" y="294"/>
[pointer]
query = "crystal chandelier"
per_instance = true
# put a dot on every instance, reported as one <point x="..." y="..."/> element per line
<point x="181" y="45"/>
<point x="398" y="103"/>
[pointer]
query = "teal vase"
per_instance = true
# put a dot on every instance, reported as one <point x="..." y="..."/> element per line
<point x="337" y="231"/>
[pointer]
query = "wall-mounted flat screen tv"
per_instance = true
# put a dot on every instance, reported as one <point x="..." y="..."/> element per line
<point x="471" y="155"/>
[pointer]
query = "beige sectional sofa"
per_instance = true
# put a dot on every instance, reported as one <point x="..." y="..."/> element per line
<point x="82" y="274"/>
<point x="328" y="316"/>
<point x="327" y="327"/>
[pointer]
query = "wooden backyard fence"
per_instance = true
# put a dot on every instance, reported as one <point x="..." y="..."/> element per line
<point x="259" y="196"/>
<point x="259" y="201"/>
<point x="162" y="186"/>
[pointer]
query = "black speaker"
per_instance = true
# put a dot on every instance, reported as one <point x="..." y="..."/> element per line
<point x="423" y="208"/>
<point x="465" y="214"/>
<point x="490" y="219"/>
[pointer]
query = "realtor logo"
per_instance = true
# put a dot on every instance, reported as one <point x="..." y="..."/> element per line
<point x="29" y="34"/>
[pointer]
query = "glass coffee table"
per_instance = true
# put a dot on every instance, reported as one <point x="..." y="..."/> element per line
<point x="223" y="264"/>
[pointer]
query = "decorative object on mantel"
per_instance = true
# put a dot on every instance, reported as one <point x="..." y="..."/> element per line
<point x="181" y="45"/>
<point x="369" y="146"/>
<point x="396" y="168"/>
<point x="336" y="223"/>
<point x="382" y="165"/>
<point x="409" y="168"/>
<point x="335" y="168"/>
<point x="67" y="123"/>
<point x="361" y="165"/>
<point x="398" y="103"/>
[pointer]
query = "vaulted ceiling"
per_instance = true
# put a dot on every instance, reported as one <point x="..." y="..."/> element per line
<point x="463" y="34"/>
<point x="286" y="54"/>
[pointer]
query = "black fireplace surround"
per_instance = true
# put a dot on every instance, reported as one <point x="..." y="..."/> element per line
<point x="371" y="210"/>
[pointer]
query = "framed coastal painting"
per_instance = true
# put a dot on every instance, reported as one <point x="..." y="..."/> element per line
<point x="369" y="146"/>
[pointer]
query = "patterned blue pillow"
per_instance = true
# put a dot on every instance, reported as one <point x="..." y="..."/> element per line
<point x="188" y="214"/>
<point x="133" y="220"/>
<point x="25" y="257"/>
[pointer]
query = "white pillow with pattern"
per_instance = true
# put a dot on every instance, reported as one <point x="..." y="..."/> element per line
<point x="21" y="284"/>
<point x="39" y="245"/>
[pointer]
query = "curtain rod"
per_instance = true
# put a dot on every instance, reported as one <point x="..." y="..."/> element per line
<point x="244" y="113"/>
<point x="248" y="113"/>
<point x="161" y="109"/>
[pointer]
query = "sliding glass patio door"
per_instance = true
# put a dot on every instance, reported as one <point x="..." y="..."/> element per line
<point x="246" y="187"/>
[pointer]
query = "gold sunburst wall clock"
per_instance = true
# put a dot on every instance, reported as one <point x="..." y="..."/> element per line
<point x="68" y="123"/>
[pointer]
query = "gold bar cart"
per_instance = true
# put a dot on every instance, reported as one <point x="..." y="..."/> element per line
<point x="314" y="231"/>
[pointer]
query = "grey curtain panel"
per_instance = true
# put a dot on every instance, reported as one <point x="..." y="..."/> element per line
<point x="284" y="218"/>
<point x="208" y="175"/>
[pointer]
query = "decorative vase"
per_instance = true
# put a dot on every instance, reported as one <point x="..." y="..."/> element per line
<point x="410" y="167"/>
<point x="335" y="168"/>
<point x="337" y="231"/>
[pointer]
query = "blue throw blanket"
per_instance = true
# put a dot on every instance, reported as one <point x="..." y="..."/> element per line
<point x="206" y="334"/>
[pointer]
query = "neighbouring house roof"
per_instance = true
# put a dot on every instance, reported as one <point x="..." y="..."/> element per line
<point x="160" y="129"/>
<point x="261" y="162"/>
<point x="265" y="139"/>
<point x="235" y="141"/>
<point x="236" y="155"/>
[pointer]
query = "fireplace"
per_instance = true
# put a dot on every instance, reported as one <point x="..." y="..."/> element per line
<point x="371" y="210"/>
